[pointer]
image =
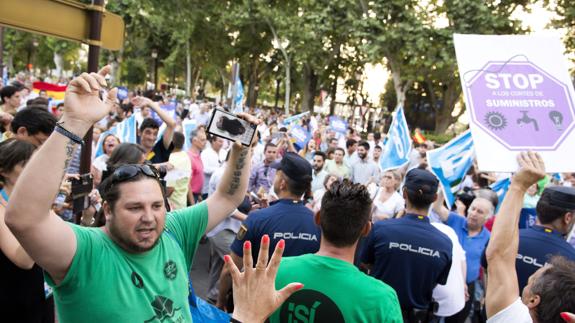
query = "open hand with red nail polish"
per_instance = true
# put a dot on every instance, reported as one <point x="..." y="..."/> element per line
<point x="568" y="317"/>
<point x="255" y="295"/>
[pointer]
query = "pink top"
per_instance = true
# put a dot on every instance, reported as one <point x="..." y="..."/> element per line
<point x="197" y="180"/>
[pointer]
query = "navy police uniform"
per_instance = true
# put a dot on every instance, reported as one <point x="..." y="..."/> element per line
<point x="536" y="246"/>
<point x="284" y="219"/>
<point x="410" y="255"/>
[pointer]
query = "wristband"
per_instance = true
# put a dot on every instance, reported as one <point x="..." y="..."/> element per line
<point x="61" y="130"/>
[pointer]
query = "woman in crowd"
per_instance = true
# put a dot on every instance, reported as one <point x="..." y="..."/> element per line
<point x="308" y="151"/>
<point x="99" y="165"/>
<point x="387" y="202"/>
<point x="22" y="294"/>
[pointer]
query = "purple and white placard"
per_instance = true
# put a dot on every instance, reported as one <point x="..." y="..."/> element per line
<point x="519" y="97"/>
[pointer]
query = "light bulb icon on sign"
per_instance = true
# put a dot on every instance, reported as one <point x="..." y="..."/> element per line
<point x="557" y="119"/>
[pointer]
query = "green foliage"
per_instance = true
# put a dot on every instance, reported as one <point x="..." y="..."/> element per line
<point x="135" y="71"/>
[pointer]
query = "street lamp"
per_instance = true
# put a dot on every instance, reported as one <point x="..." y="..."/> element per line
<point x="155" y="67"/>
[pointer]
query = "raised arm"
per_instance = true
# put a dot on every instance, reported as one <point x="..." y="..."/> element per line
<point x="234" y="184"/>
<point x="502" y="286"/>
<point x="46" y="238"/>
<point x="439" y="206"/>
<point x="170" y="123"/>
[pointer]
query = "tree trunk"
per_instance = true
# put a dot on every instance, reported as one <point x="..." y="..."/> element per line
<point x="253" y="80"/>
<point x="1" y="52"/>
<point x="309" y="88"/>
<point x="287" y="84"/>
<point x="59" y="61"/>
<point x="188" y="69"/>
<point x="277" y="96"/>
<point x="400" y="86"/>
<point x="443" y="116"/>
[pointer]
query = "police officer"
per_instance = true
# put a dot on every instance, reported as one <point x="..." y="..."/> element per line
<point x="409" y="253"/>
<point x="555" y="218"/>
<point x="287" y="218"/>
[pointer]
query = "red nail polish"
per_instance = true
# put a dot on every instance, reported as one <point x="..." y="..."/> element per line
<point x="299" y="286"/>
<point x="565" y="317"/>
<point x="247" y="245"/>
<point x="266" y="238"/>
<point x="281" y="244"/>
<point x="227" y="258"/>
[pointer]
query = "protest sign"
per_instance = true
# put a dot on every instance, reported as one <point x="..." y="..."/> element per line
<point x="125" y="131"/>
<point x="300" y="136"/>
<point x="519" y="97"/>
<point x="398" y="146"/>
<point x="451" y="162"/>
<point x="169" y="108"/>
<point x="337" y="124"/>
<point x="293" y="120"/>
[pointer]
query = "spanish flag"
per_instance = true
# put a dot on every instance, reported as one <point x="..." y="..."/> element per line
<point x="54" y="91"/>
<point x="418" y="137"/>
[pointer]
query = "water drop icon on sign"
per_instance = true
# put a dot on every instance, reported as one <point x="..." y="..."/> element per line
<point x="557" y="119"/>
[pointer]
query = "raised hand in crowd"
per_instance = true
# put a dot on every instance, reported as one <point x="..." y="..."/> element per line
<point x="255" y="295"/>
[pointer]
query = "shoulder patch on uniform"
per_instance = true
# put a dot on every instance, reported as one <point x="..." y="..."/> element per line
<point x="242" y="232"/>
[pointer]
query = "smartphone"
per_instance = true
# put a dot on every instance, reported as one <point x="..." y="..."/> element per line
<point x="80" y="189"/>
<point x="228" y="126"/>
<point x="255" y="197"/>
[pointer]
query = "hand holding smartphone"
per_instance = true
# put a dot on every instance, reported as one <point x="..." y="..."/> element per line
<point x="228" y="126"/>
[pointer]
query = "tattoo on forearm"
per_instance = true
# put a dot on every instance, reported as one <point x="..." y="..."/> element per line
<point x="70" y="148"/>
<point x="237" y="174"/>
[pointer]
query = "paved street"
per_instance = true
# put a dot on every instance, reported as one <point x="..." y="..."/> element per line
<point x="200" y="267"/>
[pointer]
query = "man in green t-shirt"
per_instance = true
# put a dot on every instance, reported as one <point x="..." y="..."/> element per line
<point x="135" y="268"/>
<point x="334" y="289"/>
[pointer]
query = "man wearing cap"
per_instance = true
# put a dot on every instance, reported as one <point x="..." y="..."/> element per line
<point x="287" y="218"/>
<point x="555" y="218"/>
<point x="409" y="253"/>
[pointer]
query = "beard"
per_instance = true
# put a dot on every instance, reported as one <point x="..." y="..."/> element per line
<point x="123" y="239"/>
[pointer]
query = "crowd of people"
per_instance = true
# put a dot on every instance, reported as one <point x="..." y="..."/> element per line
<point x="361" y="243"/>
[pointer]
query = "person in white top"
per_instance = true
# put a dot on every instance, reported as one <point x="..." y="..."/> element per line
<point x="452" y="296"/>
<point x="551" y="289"/>
<point x="388" y="202"/>
<point x="212" y="158"/>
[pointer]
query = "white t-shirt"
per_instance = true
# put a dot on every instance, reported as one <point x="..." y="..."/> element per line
<point x="517" y="312"/>
<point x="394" y="204"/>
<point x="451" y="296"/>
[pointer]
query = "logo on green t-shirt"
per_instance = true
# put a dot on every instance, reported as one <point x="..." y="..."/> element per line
<point x="308" y="306"/>
<point x="137" y="280"/>
<point x="170" y="270"/>
<point x="163" y="308"/>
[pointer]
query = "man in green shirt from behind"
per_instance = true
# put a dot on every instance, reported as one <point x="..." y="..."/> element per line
<point x="135" y="268"/>
<point x="334" y="289"/>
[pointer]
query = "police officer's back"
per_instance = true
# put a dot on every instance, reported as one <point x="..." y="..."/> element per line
<point x="286" y="218"/>
<point x="555" y="218"/>
<point x="410" y="254"/>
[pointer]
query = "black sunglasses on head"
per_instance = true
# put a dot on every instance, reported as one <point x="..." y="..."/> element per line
<point x="127" y="172"/>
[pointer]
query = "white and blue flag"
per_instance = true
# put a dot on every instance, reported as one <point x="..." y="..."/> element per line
<point x="451" y="163"/>
<point x="398" y="146"/>
<point x="293" y="120"/>
<point x="239" y="99"/>
<point x="125" y="131"/>
<point x="501" y="187"/>
<point x="188" y="126"/>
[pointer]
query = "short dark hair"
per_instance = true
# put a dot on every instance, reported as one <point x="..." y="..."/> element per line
<point x="269" y="144"/>
<point x="419" y="200"/>
<point x="298" y="186"/>
<point x="125" y="153"/>
<point x="350" y="142"/>
<point x="111" y="193"/>
<point x="556" y="287"/>
<point x="149" y="123"/>
<point x="345" y="210"/>
<point x="178" y="139"/>
<point x="12" y="153"/>
<point x="39" y="101"/>
<point x="7" y="92"/>
<point x="321" y="154"/>
<point x="332" y="139"/>
<point x="35" y="120"/>
<point x="340" y="149"/>
<point x="364" y="144"/>
<point x="547" y="212"/>
<point x="377" y="135"/>
<point x="378" y="147"/>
